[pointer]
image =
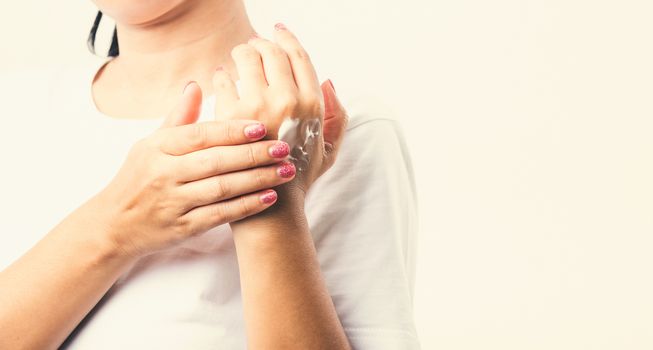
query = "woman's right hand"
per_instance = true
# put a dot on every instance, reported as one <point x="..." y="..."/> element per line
<point x="186" y="178"/>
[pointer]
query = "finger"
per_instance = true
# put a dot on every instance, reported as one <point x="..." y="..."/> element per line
<point x="226" y="93"/>
<point x="188" y="108"/>
<point x="335" y="120"/>
<point x="208" y="216"/>
<point x="222" y="187"/>
<point x="250" y="70"/>
<point x="276" y="64"/>
<point x="225" y="159"/>
<point x="302" y="67"/>
<point x="192" y="137"/>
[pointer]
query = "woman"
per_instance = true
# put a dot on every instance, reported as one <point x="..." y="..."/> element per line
<point x="207" y="236"/>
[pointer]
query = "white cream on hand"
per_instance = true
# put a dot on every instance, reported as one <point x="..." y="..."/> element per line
<point x="301" y="135"/>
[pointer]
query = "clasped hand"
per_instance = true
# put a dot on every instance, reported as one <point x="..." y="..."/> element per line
<point x="189" y="176"/>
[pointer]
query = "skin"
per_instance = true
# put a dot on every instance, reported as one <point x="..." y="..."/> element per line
<point x="193" y="176"/>
<point x="287" y="305"/>
<point x="157" y="40"/>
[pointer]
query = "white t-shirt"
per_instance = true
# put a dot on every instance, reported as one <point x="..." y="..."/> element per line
<point x="59" y="150"/>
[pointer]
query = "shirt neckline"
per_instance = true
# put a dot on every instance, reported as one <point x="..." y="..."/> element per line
<point x="97" y="64"/>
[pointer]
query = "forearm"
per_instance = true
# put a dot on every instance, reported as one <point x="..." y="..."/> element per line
<point x="286" y="303"/>
<point x="49" y="290"/>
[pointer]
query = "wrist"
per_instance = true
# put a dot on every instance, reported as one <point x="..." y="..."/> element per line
<point x="289" y="207"/>
<point x="95" y="219"/>
<point x="284" y="220"/>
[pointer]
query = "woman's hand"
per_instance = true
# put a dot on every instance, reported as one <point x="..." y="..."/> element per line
<point x="285" y="301"/>
<point x="278" y="81"/>
<point x="185" y="179"/>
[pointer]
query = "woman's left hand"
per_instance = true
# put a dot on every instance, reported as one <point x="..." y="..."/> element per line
<point x="278" y="81"/>
<point x="277" y="261"/>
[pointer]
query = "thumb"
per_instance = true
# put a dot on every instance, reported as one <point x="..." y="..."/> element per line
<point x="188" y="108"/>
<point x="335" y="121"/>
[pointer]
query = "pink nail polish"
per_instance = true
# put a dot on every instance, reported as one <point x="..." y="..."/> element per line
<point x="279" y="150"/>
<point x="280" y="26"/>
<point x="286" y="170"/>
<point x="269" y="197"/>
<point x="255" y="131"/>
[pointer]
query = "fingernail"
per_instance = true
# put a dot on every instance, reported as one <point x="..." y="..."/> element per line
<point x="331" y="83"/>
<point x="185" y="87"/>
<point x="279" y="150"/>
<point x="255" y="131"/>
<point x="269" y="197"/>
<point x="254" y="36"/>
<point x="286" y="170"/>
<point x="219" y="68"/>
<point x="280" y="26"/>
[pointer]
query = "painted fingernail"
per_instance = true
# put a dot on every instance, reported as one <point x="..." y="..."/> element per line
<point x="279" y="150"/>
<point x="280" y="26"/>
<point x="254" y="36"/>
<point x="255" y="131"/>
<point x="286" y="170"/>
<point x="186" y="86"/>
<point x="269" y="197"/>
<point x="331" y="83"/>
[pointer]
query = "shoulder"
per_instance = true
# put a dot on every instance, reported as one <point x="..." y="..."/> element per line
<point x="368" y="113"/>
<point x="373" y="158"/>
<point x="375" y="130"/>
<point x="374" y="139"/>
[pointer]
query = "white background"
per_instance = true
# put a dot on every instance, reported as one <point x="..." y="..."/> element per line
<point x="531" y="128"/>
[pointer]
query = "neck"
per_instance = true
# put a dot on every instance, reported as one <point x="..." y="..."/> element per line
<point x="185" y="44"/>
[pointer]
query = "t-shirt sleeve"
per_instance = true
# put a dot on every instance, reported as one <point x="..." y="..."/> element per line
<point x="363" y="219"/>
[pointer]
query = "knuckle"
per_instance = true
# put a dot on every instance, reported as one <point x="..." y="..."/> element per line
<point x="251" y="155"/>
<point x="299" y="53"/>
<point x="216" y="163"/>
<point x="273" y="50"/>
<point x="221" y="189"/>
<point x="257" y="106"/>
<point x="183" y="227"/>
<point x="245" y="52"/>
<point x="158" y="182"/>
<point x="244" y="208"/>
<point x="232" y="132"/>
<point x="220" y="211"/>
<point x="198" y="136"/>
<point x="260" y="178"/>
<point x="211" y="162"/>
